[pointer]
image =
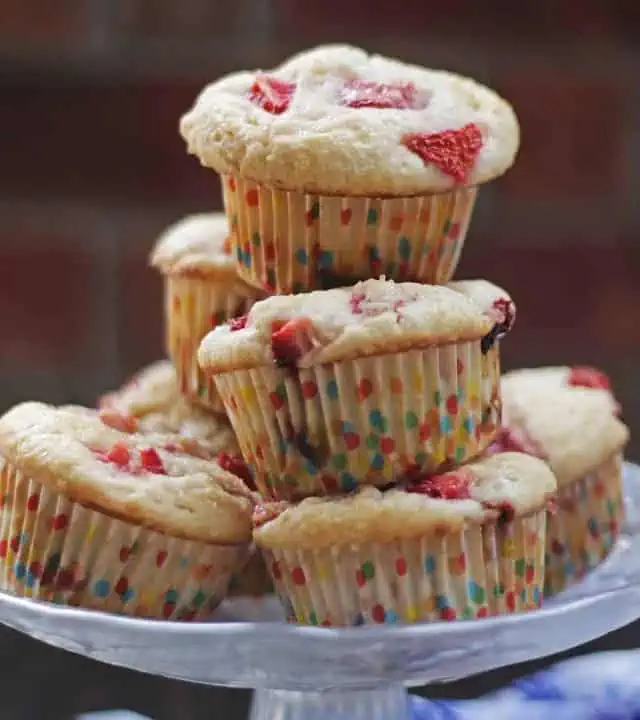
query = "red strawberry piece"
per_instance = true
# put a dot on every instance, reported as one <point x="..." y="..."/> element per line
<point x="118" y="421"/>
<point x="454" y="485"/>
<point x="588" y="377"/>
<point x="357" y="298"/>
<point x="236" y="466"/>
<point x="290" y="341"/>
<point x="238" y="323"/>
<point x="367" y="94"/>
<point x="271" y="94"/>
<point x="503" y="311"/>
<point x="513" y="440"/>
<point x="119" y="455"/>
<point x="454" y="152"/>
<point x="151" y="462"/>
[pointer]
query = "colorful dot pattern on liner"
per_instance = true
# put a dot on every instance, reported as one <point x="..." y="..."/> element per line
<point x="482" y="571"/>
<point x="194" y="306"/>
<point x="328" y="428"/>
<point x="585" y="526"/>
<point x="291" y="242"/>
<point x="56" y="550"/>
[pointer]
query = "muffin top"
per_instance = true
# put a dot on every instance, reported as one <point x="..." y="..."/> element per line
<point x="559" y="376"/>
<point x="337" y="120"/>
<point x="573" y="427"/>
<point x="374" y="317"/>
<point x="501" y="487"/>
<point x="198" y="246"/>
<point x="150" y="402"/>
<point x="132" y="477"/>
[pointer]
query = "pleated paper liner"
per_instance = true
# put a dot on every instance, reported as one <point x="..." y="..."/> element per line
<point x="484" y="570"/>
<point x="328" y="428"/>
<point x="293" y="242"/>
<point x="584" y="528"/>
<point x="57" y="550"/>
<point x="194" y="306"/>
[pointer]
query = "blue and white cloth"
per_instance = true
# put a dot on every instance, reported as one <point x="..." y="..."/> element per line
<point x="603" y="686"/>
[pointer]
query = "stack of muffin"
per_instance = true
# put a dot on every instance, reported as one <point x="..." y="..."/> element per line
<point x="332" y="396"/>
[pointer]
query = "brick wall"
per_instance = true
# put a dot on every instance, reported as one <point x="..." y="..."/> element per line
<point x="91" y="167"/>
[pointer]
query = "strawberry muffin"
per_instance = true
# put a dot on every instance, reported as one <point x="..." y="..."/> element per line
<point x="202" y="290"/>
<point x="464" y="544"/>
<point x="339" y="165"/>
<point x="365" y="384"/>
<point x="568" y="417"/>
<point x="150" y="403"/>
<point x="95" y="517"/>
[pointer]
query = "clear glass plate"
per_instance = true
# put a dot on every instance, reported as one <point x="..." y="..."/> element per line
<point x="365" y="668"/>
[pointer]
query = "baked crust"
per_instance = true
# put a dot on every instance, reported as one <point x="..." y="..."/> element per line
<point x="200" y="246"/>
<point x="520" y="482"/>
<point x="373" y="317"/>
<point x="150" y="403"/>
<point x="574" y="428"/>
<point x="322" y="145"/>
<point x="66" y="451"/>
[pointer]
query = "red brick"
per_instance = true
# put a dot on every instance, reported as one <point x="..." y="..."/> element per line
<point x="140" y="321"/>
<point x="40" y="24"/>
<point x="323" y="21"/>
<point x="46" y="297"/>
<point x="98" y="141"/>
<point x="572" y="135"/>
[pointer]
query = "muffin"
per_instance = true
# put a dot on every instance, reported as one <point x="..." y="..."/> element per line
<point x="574" y="428"/>
<point x="366" y="384"/>
<point x="202" y="290"/>
<point x="150" y="402"/>
<point x="338" y="166"/>
<point x="94" y="517"/>
<point x="465" y="544"/>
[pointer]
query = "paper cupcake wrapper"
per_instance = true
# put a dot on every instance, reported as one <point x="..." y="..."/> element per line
<point x="585" y="526"/>
<point x="481" y="571"/>
<point x="293" y="242"/>
<point x="329" y="428"/>
<point x="195" y="306"/>
<point x="253" y="580"/>
<point x="57" y="550"/>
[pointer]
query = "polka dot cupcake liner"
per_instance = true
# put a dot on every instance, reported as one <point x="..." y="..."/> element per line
<point x="57" y="550"/>
<point x="194" y="306"/>
<point x="585" y="526"/>
<point x="293" y="242"/>
<point x="478" y="572"/>
<point x="328" y="428"/>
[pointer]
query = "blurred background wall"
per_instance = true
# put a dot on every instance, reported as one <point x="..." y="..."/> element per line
<point x="92" y="168"/>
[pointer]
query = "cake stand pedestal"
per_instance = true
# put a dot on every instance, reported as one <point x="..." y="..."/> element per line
<point x="309" y="673"/>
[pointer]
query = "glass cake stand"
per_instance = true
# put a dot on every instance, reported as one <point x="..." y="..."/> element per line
<point x="308" y="673"/>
